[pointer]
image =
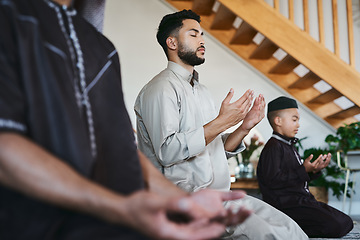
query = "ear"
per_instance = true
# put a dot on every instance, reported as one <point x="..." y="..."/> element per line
<point x="277" y="121"/>
<point x="171" y="42"/>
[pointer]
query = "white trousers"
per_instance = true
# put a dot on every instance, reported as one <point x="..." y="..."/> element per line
<point x="265" y="223"/>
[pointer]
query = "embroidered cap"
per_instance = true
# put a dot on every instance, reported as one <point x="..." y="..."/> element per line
<point x="281" y="103"/>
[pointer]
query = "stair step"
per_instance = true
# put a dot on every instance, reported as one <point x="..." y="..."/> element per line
<point x="224" y="19"/>
<point x="306" y="81"/>
<point x="203" y="7"/>
<point x="326" y="97"/>
<point x="265" y="50"/>
<point x="350" y="112"/>
<point x="244" y="34"/>
<point x="285" y="66"/>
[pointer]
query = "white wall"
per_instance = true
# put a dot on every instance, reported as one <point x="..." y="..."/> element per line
<point x="132" y="24"/>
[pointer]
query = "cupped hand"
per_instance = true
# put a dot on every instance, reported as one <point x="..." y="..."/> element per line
<point x="255" y="115"/>
<point x="317" y="165"/>
<point x="233" y="113"/>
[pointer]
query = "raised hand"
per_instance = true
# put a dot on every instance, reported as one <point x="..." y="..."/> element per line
<point x="320" y="163"/>
<point x="232" y="113"/>
<point x="255" y="115"/>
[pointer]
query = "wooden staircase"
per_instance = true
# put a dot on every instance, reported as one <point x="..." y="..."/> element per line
<point x="299" y="47"/>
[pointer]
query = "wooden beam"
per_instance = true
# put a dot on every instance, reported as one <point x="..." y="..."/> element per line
<point x="326" y="97"/>
<point x="203" y="7"/>
<point x="265" y="50"/>
<point x="285" y="66"/>
<point x="244" y="34"/>
<point x="224" y="19"/>
<point x="306" y="81"/>
<point x="352" y="111"/>
<point x="308" y="51"/>
<point x="340" y="122"/>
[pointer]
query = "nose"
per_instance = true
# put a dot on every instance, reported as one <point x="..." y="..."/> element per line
<point x="202" y="41"/>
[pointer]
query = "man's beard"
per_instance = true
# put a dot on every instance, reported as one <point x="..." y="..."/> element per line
<point x="189" y="57"/>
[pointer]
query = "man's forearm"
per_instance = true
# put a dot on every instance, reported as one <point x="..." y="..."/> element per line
<point x="235" y="138"/>
<point x="29" y="169"/>
<point x="213" y="129"/>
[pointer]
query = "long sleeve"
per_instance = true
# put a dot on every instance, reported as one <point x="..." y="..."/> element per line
<point x="241" y="147"/>
<point x="280" y="169"/>
<point x="12" y="117"/>
<point x="159" y="124"/>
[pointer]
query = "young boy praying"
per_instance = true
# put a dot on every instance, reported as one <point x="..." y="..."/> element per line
<point x="283" y="176"/>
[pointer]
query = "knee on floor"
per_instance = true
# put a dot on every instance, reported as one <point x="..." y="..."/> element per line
<point x="339" y="227"/>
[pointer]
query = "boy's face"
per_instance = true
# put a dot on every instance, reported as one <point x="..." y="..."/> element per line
<point x="288" y="122"/>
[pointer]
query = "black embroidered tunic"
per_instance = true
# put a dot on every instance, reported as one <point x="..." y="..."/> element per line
<point x="60" y="86"/>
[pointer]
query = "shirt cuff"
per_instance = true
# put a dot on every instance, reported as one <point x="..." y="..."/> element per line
<point x="195" y="141"/>
<point x="241" y="147"/>
<point x="10" y="125"/>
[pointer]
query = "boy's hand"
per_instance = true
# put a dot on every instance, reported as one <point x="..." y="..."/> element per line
<point x="320" y="163"/>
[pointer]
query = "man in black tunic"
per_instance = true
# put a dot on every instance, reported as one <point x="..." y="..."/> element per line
<point x="69" y="166"/>
<point x="283" y="176"/>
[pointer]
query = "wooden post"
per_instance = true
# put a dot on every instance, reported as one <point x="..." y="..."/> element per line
<point x="335" y="28"/>
<point x="276" y="5"/>
<point x="291" y="10"/>
<point x="321" y="22"/>
<point x="306" y="15"/>
<point x="350" y="33"/>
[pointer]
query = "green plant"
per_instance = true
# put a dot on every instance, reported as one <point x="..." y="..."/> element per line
<point x="347" y="138"/>
<point x="331" y="175"/>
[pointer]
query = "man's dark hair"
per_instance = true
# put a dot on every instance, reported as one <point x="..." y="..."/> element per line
<point x="171" y="24"/>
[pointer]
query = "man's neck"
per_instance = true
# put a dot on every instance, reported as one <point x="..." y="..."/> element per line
<point x="177" y="60"/>
<point x="186" y="66"/>
<point x="63" y="2"/>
